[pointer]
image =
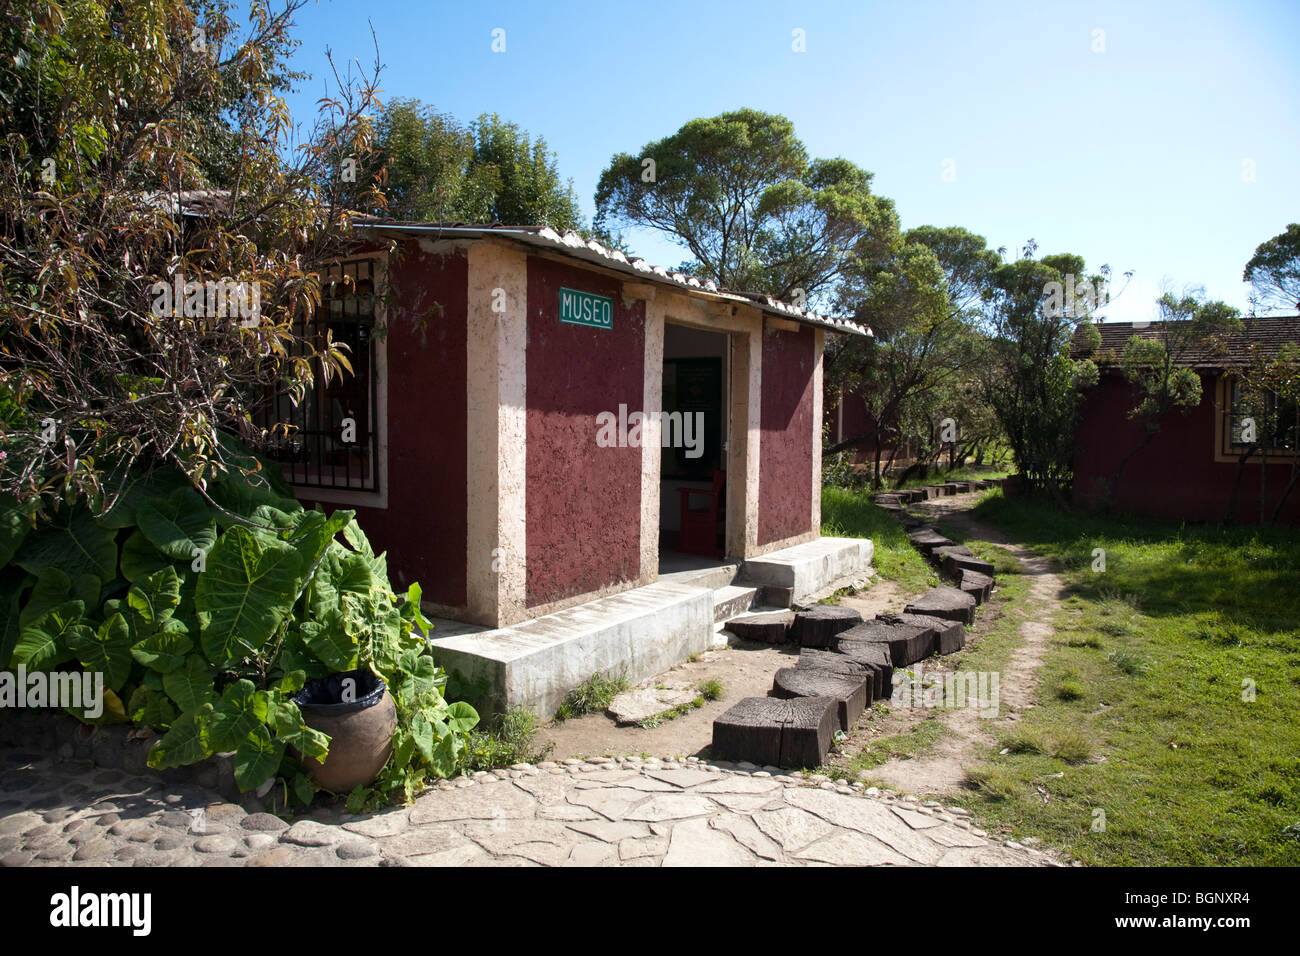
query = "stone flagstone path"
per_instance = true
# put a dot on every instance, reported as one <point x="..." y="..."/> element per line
<point x="599" y="812"/>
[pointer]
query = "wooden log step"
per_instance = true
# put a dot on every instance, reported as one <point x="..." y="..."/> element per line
<point x="785" y="733"/>
<point x="926" y="540"/>
<point x="875" y="657"/>
<point x="951" y="604"/>
<point x="953" y="563"/>
<point x="851" y="692"/>
<point x="771" y="628"/>
<point x="978" y="586"/>
<point x="907" y="643"/>
<point x="949" y="636"/>
<point x="817" y="626"/>
<point x="821" y="659"/>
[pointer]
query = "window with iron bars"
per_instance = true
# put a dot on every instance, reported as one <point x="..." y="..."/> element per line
<point x="333" y="440"/>
<point x="1277" y="430"/>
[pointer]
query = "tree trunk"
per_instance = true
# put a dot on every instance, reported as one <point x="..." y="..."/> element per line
<point x="876" y="483"/>
<point x="1286" y="492"/>
<point x="1263" y="482"/>
<point x="1236" y="486"/>
<point x="1113" y="492"/>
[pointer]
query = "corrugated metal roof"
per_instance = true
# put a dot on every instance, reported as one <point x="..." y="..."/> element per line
<point x="589" y="250"/>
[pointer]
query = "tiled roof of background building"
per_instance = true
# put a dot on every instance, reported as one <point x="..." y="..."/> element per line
<point x="1230" y="350"/>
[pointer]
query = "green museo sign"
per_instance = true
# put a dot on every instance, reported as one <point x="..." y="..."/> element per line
<point x="585" y="308"/>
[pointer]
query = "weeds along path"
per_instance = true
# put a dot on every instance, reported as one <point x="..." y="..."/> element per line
<point x="943" y="771"/>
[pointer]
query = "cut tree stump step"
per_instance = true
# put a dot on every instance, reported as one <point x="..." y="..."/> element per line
<point x="851" y="692"/>
<point x="874" y="656"/>
<point x="817" y="626"/>
<point x="949" y="636"/>
<point x="772" y="628"/>
<point x="926" y="540"/>
<point x="907" y="643"/>
<point x="951" y="604"/>
<point x="953" y="562"/>
<point x="770" y="731"/>
<point x="978" y="586"/>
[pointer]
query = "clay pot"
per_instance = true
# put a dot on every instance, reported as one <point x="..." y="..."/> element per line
<point x="360" y="729"/>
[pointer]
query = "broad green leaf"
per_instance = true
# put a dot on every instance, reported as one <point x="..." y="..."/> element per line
<point x="14" y="527"/>
<point x="356" y="539"/>
<point x="245" y="594"/>
<point x="179" y="526"/>
<point x="295" y="656"/>
<point x="190" y="686"/>
<point x="304" y="789"/>
<point x="44" y="643"/>
<point x="155" y="599"/>
<point x="87" y="588"/>
<point x="53" y="588"/>
<point x="151" y="708"/>
<point x="312" y="532"/>
<point x="290" y="727"/>
<point x="140" y="558"/>
<point x="12" y="583"/>
<point x="330" y="642"/>
<point x="241" y="710"/>
<point x="164" y="650"/>
<point x="73" y="542"/>
<point x="240" y="499"/>
<point x="257" y="759"/>
<point x="462" y="718"/>
<point x="403" y="747"/>
<point x="107" y="651"/>
<point x="421" y="676"/>
<point x="445" y="762"/>
<point x="423" y="735"/>
<point x="186" y="741"/>
<point x="292" y="682"/>
<point x="126" y="491"/>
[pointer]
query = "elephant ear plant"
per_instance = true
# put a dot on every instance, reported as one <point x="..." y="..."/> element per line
<point x="206" y="613"/>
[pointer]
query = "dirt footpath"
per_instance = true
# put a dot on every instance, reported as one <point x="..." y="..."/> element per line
<point x="943" y="771"/>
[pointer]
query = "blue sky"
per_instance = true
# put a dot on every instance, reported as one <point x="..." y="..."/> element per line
<point x="1173" y="153"/>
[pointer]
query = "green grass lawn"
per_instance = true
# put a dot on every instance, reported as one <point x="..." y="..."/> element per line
<point x="853" y="514"/>
<point x="1144" y="702"/>
<point x="964" y="473"/>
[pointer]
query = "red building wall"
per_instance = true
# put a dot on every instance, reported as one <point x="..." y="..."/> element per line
<point x="1176" y="476"/>
<point x="423" y="529"/>
<point x="785" y="484"/>
<point x="584" y="502"/>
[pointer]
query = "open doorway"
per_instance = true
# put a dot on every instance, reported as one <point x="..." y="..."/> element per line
<point x="693" y="479"/>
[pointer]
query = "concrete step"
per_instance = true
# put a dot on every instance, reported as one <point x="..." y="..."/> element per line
<point x="732" y="600"/>
<point x="718" y="576"/>
<point x="639" y="633"/>
<point x="809" y="568"/>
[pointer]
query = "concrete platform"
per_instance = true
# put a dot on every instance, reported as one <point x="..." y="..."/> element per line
<point x="640" y="633"/>
<point x="810" y="568"/>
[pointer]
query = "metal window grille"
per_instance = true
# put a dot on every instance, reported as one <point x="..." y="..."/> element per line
<point x="317" y="452"/>
<point x="1284" y="414"/>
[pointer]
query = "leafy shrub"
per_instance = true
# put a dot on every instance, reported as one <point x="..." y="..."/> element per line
<point x="508" y="741"/>
<point x="206" y="613"/>
<point x="592" y="695"/>
<point x="711" y="689"/>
